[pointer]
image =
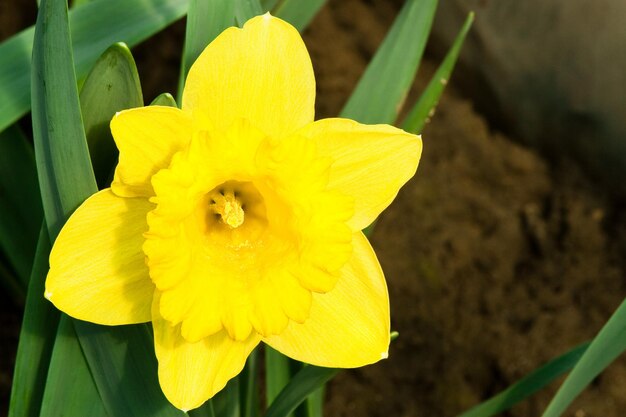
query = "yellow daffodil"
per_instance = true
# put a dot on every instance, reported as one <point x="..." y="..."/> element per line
<point x="238" y="219"/>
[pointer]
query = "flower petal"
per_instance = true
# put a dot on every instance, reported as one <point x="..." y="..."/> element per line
<point x="347" y="327"/>
<point x="191" y="373"/>
<point x="97" y="269"/>
<point x="147" y="138"/>
<point x="261" y="73"/>
<point x="371" y="162"/>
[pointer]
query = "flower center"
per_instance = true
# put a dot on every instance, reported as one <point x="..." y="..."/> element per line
<point x="225" y="204"/>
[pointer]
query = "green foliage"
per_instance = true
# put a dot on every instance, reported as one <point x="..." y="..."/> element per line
<point x="425" y="105"/>
<point x="528" y="385"/>
<point x="297" y="12"/>
<point x="36" y="339"/>
<point x="383" y="87"/>
<point x="603" y="350"/>
<point x="164" y="99"/>
<point x="205" y="20"/>
<point x="20" y="203"/>
<point x="304" y="383"/>
<point x="94" y="27"/>
<point x="111" y="86"/>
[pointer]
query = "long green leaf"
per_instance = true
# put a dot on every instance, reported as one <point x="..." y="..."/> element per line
<point x="205" y="20"/>
<point x="226" y="402"/>
<point x="277" y="373"/>
<point x="387" y="79"/>
<point x="427" y="102"/>
<point x="528" y="385"/>
<point x="67" y="179"/>
<point x="65" y="175"/>
<point x="268" y="4"/>
<point x="36" y="339"/>
<point x="112" y="85"/>
<point x="603" y="350"/>
<point x="247" y="9"/>
<point x="70" y="391"/>
<point x="20" y="202"/>
<point x="249" y="391"/>
<point x="95" y="26"/>
<point x="164" y="99"/>
<point x="124" y="367"/>
<point x="303" y="384"/>
<point x="297" y="12"/>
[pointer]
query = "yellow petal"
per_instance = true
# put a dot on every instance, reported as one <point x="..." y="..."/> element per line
<point x="147" y="138"/>
<point x="371" y="162"/>
<point x="261" y="73"/>
<point x="97" y="269"/>
<point x="348" y="326"/>
<point x="191" y="373"/>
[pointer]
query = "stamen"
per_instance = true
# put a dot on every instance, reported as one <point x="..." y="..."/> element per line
<point x="225" y="204"/>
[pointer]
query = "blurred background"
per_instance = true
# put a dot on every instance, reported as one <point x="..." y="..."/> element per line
<point x="507" y="248"/>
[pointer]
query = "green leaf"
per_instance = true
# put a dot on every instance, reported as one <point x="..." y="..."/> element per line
<point x="164" y="99"/>
<point x="315" y="402"/>
<point x="528" y="385"/>
<point x="427" y="102"/>
<point x="65" y="175"/>
<point x="95" y="26"/>
<point x="20" y="203"/>
<point x="226" y="402"/>
<point x="205" y="20"/>
<point x="246" y="10"/>
<point x="603" y="350"/>
<point x="112" y="85"/>
<point x="268" y="4"/>
<point x="124" y="367"/>
<point x="277" y="373"/>
<point x="387" y="79"/>
<point x="249" y="392"/>
<point x="297" y="12"/>
<point x="303" y="384"/>
<point x="69" y="390"/>
<point x="36" y="339"/>
<point x="121" y="359"/>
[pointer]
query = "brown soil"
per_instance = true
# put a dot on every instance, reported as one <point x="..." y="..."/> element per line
<point x="496" y="259"/>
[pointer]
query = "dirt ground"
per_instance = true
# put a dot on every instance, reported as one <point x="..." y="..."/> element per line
<point x="496" y="259"/>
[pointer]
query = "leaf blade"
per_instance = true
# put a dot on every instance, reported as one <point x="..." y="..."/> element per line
<point x="112" y="85"/>
<point x="609" y="343"/>
<point x="425" y="105"/>
<point x="298" y="13"/>
<point x="528" y="385"/>
<point x="381" y="90"/>
<point x="94" y="27"/>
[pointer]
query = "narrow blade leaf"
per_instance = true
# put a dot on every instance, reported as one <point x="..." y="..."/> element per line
<point x="299" y="13"/>
<point x="246" y="10"/>
<point x="387" y="79"/>
<point x="205" y="20"/>
<point x="427" y="102"/>
<point x="36" y="339"/>
<point x="277" y="373"/>
<point x="95" y="26"/>
<point x="112" y="85"/>
<point x="528" y="385"/>
<point x="164" y="99"/>
<point x="303" y="384"/>
<point x="603" y="350"/>
<point x="70" y="391"/>
<point x="20" y="202"/>
<point x="121" y="359"/>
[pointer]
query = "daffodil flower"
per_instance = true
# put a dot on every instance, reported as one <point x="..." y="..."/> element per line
<point x="237" y="220"/>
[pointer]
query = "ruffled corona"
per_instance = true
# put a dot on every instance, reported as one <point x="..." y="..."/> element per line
<point x="240" y="236"/>
<point x="237" y="219"/>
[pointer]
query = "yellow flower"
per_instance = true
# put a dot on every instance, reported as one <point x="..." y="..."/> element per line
<point x="238" y="220"/>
